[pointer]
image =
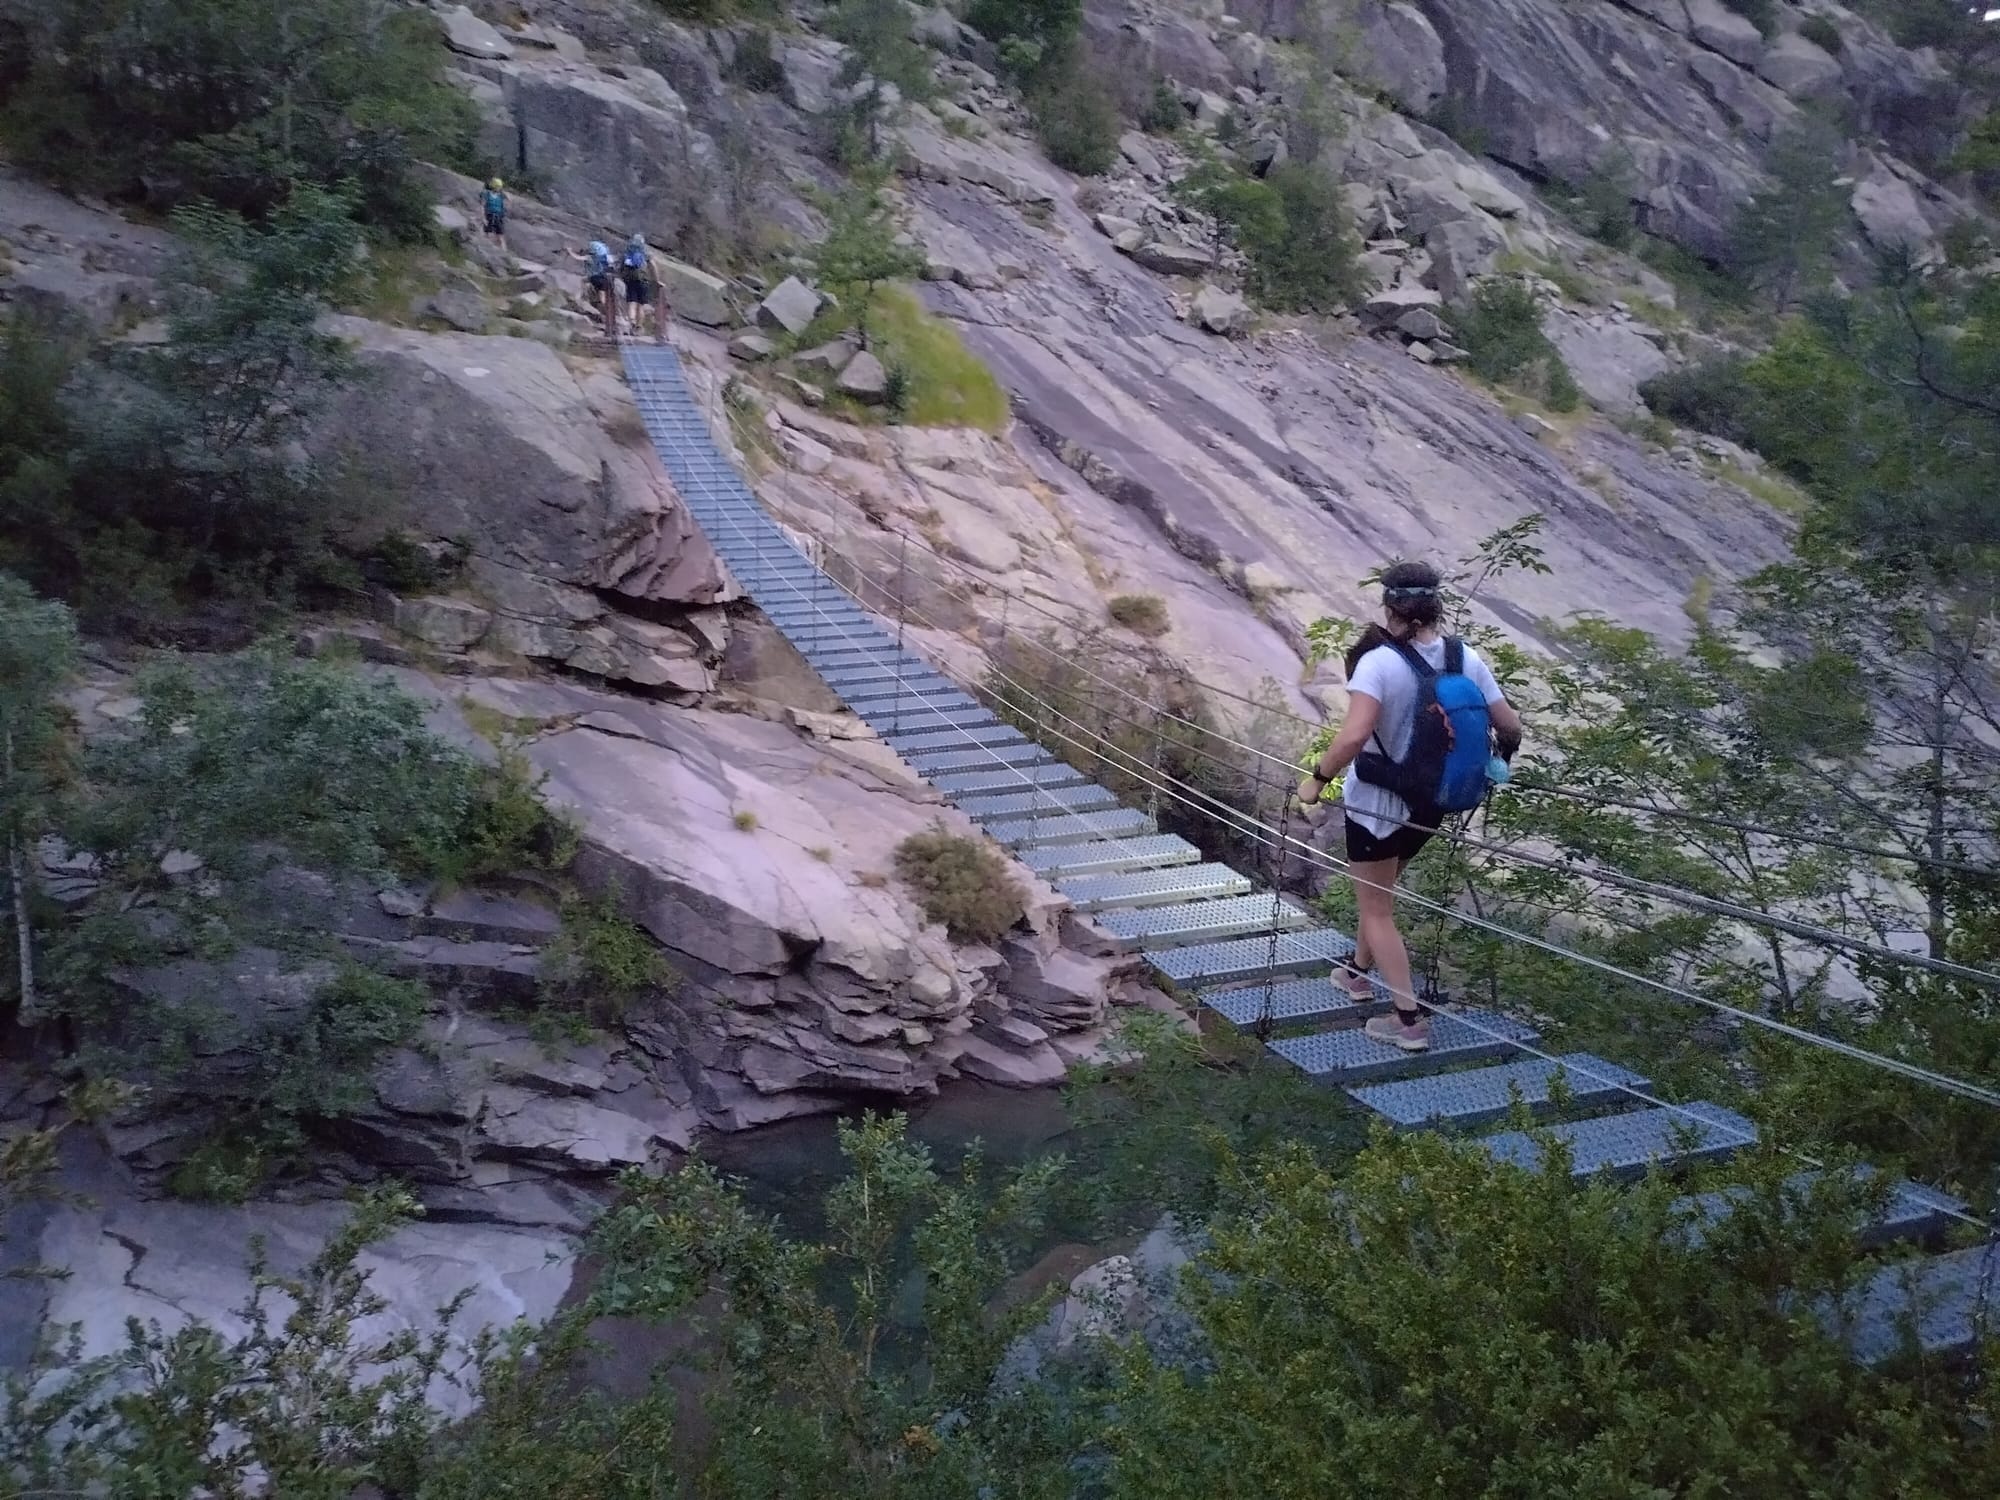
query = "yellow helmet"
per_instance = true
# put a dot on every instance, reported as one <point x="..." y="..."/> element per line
<point x="496" y="184"/>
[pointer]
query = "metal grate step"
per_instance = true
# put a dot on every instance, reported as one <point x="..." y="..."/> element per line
<point x="1911" y="1210"/>
<point x="973" y="783"/>
<point x="1149" y="927"/>
<point x="885" y="670"/>
<point x="1940" y="1305"/>
<point x="1047" y="801"/>
<point x="914" y="739"/>
<point x="1355" y="1057"/>
<point x="853" y="653"/>
<point x="916" y="716"/>
<point x="1076" y="828"/>
<point x="1253" y="958"/>
<point x="1626" y="1145"/>
<point x="1161" y="850"/>
<point x="1291" y="1002"/>
<point x="1153" y="887"/>
<point x="1484" y="1095"/>
<point x="910" y="688"/>
<point x="962" y="758"/>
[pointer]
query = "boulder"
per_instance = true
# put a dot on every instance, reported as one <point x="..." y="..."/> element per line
<point x="449" y="624"/>
<point x="1799" y="67"/>
<point x="1137" y="150"/>
<point x="751" y="347"/>
<point x="1111" y="226"/>
<point x="617" y="152"/>
<point x="1715" y="26"/>
<point x="832" y="356"/>
<point x="864" y="379"/>
<point x="1609" y="358"/>
<point x="812" y="68"/>
<point x="694" y="295"/>
<point x="1538" y="428"/>
<point x="492" y="441"/>
<point x="1420" y="323"/>
<point x="457" y="307"/>
<point x="1890" y="213"/>
<point x="792" y="305"/>
<point x="1036" y="1067"/>
<point x="1170" y="258"/>
<point x="1405" y="54"/>
<point x="1486" y="191"/>
<point x="1459" y="251"/>
<point x="450" y="220"/>
<point x="1220" y="312"/>
<point x="1385" y="308"/>
<point x="466" y="33"/>
<point x="1671" y="14"/>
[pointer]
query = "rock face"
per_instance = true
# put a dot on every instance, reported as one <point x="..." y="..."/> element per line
<point x="620" y="153"/>
<point x="1405" y="53"/>
<point x="759" y="860"/>
<point x="493" y="444"/>
<point x="466" y="33"/>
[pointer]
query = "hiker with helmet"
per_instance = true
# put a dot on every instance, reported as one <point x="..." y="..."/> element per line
<point x="495" y="203"/>
<point x="1423" y="714"/>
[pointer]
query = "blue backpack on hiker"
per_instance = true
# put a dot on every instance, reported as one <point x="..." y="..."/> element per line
<point x="600" y="257"/>
<point x="1450" y="740"/>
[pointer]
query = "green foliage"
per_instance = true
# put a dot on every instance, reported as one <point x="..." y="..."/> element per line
<point x="237" y="102"/>
<point x="1763" y="14"/>
<point x="883" y="56"/>
<point x="1029" y="33"/>
<point x="1822" y="33"/>
<point x="1462" y="1329"/>
<point x="859" y="250"/>
<point x="948" y="385"/>
<point x="1501" y="329"/>
<point x="1601" y="205"/>
<point x="1455" y="118"/>
<point x="1144" y="613"/>
<point x="164" y="473"/>
<point x="755" y="65"/>
<point x="1291" y="224"/>
<point x="962" y="884"/>
<point x="1076" y="116"/>
<point x="38" y="652"/>
<point x="332" y="767"/>
<point x="1784" y="238"/>
<point x="1163" y="114"/>
<point x="896" y="391"/>
<point x="602" y="960"/>
<point x="1711" y="396"/>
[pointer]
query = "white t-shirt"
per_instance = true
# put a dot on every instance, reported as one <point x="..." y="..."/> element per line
<point x="1384" y="676"/>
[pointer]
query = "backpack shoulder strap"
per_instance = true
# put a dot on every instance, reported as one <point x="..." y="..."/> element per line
<point x="1415" y="659"/>
<point x="1454" y="655"/>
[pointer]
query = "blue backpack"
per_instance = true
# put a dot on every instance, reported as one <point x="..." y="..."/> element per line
<point x="496" y="201"/>
<point x="600" y="256"/>
<point x="1450" y="742"/>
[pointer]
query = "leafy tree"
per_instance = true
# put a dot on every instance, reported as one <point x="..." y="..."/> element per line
<point x="1305" y="262"/>
<point x="886" y="67"/>
<point x="859" y="250"/>
<point x="1602" y="203"/>
<point x="1784" y="238"/>
<point x="1031" y="34"/>
<point x="158" y="472"/>
<point x="38" y="651"/>
<point x="235" y="101"/>
<point x="1502" y="330"/>
<point x="1076" y="116"/>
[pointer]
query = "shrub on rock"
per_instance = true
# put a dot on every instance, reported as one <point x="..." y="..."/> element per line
<point x="961" y="883"/>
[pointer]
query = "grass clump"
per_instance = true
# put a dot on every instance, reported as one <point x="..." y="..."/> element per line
<point x="1823" y="34"/>
<point x="745" y="821"/>
<point x="1144" y="613"/>
<point x="961" y="884"/>
<point x="942" y="383"/>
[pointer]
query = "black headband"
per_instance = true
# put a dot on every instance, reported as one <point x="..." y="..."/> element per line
<point x="1411" y="591"/>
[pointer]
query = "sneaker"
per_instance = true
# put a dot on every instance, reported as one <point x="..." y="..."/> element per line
<point x="1358" y="983"/>
<point x="1389" y="1030"/>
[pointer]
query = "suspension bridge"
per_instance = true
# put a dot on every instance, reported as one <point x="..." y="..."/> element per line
<point x="1253" y="958"/>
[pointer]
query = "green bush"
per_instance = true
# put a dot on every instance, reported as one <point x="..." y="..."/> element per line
<point x="1502" y="330"/>
<point x="236" y="103"/>
<point x="1822" y="33"/>
<point x="962" y="884"/>
<point x="1076" y="118"/>
<point x="1144" y="613"/>
<point x="1309" y="263"/>
<point x="601" y="960"/>
<point x="1031" y="34"/>
<point x="1601" y="205"/>
<point x="1714" y="396"/>
<point x="755" y="65"/>
<point x="1163" y="114"/>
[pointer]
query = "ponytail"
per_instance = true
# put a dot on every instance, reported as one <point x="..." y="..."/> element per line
<point x="1372" y="637"/>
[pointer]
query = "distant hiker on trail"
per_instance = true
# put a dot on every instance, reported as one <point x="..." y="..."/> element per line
<point x="642" y="288"/>
<point x="495" y="202"/>
<point x="1423" y="712"/>
<point x="603" y="291"/>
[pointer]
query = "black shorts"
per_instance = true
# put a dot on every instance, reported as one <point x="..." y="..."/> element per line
<point x="600" y="281"/>
<point x="638" y="291"/>
<point x="496" y="223"/>
<point x="1401" y="843"/>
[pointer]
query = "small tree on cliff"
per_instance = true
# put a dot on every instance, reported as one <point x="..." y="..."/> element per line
<point x="860" y="251"/>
